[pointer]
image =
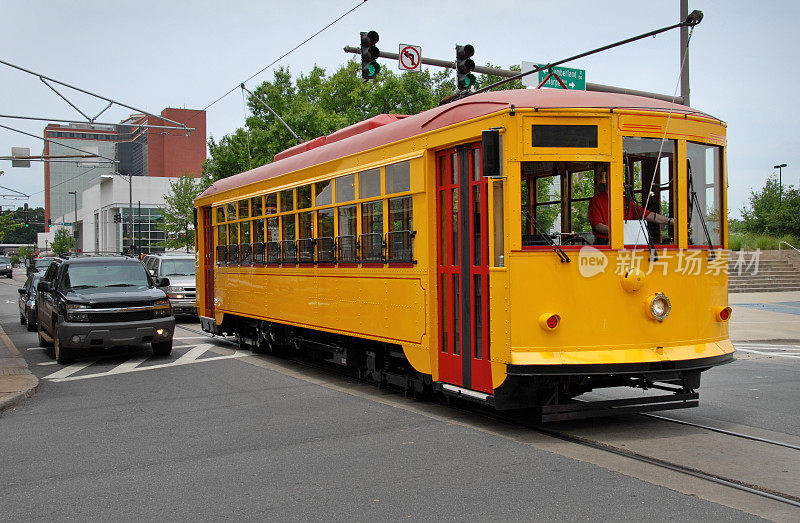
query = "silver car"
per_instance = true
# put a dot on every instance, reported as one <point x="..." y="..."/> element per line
<point x="179" y="269"/>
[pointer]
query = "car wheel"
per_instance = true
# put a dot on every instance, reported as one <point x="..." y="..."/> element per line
<point x="163" y="348"/>
<point x="63" y="356"/>
<point x="22" y="320"/>
<point x="31" y="323"/>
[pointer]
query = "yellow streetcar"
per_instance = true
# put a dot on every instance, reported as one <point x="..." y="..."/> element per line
<point x="515" y="248"/>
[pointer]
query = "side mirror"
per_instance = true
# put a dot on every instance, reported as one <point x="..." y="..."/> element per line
<point x="162" y="282"/>
<point x="44" y="286"/>
<point x="22" y="290"/>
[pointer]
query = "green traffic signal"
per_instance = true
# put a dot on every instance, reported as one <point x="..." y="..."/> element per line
<point x="464" y="66"/>
<point x="369" y="53"/>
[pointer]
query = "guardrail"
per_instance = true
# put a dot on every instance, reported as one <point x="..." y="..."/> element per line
<point x="788" y="244"/>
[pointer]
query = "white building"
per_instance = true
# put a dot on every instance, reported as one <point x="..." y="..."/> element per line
<point x="107" y="196"/>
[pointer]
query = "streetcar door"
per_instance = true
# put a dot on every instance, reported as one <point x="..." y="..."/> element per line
<point x="463" y="268"/>
<point x="208" y="261"/>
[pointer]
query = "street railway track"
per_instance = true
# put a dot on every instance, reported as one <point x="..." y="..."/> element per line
<point x="514" y="420"/>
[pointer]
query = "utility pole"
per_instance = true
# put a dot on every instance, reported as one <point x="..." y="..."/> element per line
<point x="684" y="58"/>
<point x="75" y="224"/>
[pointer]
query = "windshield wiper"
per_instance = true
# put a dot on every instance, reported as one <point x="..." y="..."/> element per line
<point x="556" y="249"/>
<point x="178" y="274"/>
<point x="693" y="201"/>
<point x="82" y="286"/>
<point x="120" y="285"/>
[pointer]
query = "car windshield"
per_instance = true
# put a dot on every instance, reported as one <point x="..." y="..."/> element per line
<point x="4" y="259"/>
<point x="43" y="264"/>
<point x="106" y="275"/>
<point x="177" y="267"/>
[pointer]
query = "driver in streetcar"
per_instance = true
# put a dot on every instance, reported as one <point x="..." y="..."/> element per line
<point x="598" y="212"/>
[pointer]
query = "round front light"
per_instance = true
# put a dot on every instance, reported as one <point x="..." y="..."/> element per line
<point x="660" y="307"/>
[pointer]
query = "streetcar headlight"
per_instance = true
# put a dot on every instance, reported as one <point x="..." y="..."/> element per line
<point x="660" y="306"/>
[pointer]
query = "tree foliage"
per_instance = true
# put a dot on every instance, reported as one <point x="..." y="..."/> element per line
<point x="16" y="231"/>
<point x="769" y="213"/>
<point x="178" y="213"/>
<point x="63" y="242"/>
<point x="317" y="104"/>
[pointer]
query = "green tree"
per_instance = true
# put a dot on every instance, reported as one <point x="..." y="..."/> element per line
<point x="25" y="234"/>
<point x="178" y="213"/>
<point x="769" y="213"/>
<point x="63" y="242"/>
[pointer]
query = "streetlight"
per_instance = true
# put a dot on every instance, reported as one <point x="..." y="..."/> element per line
<point x="780" y="182"/>
<point x="75" y="224"/>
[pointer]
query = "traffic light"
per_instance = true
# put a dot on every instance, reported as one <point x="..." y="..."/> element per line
<point x="369" y="53"/>
<point x="464" y="66"/>
<point x="26" y="216"/>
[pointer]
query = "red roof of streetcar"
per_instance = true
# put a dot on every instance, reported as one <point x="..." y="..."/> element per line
<point x="387" y="128"/>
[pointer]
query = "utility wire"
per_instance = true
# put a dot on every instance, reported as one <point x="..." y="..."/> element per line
<point x="298" y="46"/>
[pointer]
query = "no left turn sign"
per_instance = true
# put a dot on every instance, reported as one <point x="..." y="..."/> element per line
<point x="410" y="57"/>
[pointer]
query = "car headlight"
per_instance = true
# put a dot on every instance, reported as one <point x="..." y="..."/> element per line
<point x="660" y="306"/>
<point x="162" y="308"/>
<point x="175" y="289"/>
<point x="77" y="312"/>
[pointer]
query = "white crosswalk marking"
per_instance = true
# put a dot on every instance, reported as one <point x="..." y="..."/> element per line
<point x="70" y="370"/>
<point x="781" y="351"/>
<point x="134" y="364"/>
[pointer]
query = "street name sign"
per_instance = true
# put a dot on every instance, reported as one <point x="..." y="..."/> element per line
<point x="574" y="79"/>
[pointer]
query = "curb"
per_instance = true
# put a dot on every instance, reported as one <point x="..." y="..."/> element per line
<point x="15" y="398"/>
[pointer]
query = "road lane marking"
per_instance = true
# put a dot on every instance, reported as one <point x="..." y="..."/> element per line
<point x="36" y="348"/>
<point x="132" y="365"/>
<point x="68" y="371"/>
<point x="127" y="366"/>
<point x="48" y="363"/>
<point x="767" y="353"/>
<point x="191" y="338"/>
<point x="193" y="354"/>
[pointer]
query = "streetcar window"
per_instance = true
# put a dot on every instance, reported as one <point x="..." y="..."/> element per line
<point x="556" y="201"/>
<point x="220" y="214"/>
<point x="244" y="209"/>
<point x="398" y="177"/>
<point x="346" y="188"/>
<point x="287" y="227"/>
<point x="287" y="200"/>
<point x="244" y="232"/>
<point x="271" y="206"/>
<point x="347" y="220"/>
<point x="704" y="163"/>
<point x="233" y="233"/>
<point x="325" y="223"/>
<point x="305" y="225"/>
<point x="222" y="238"/>
<point x="400" y="236"/>
<point x="304" y="197"/>
<point x="231" y="211"/>
<point x="564" y="136"/>
<point x="258" y="231"/>
<point x="256" y="205"/>
<point x="323" y="193"/>
<point x="371" y="238"/>
<point x="649" y="175"/>
<point x="369" y="183"/>
<point x="273" y="230"/>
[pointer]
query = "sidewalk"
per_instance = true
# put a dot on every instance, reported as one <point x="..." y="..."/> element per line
<point x="765" y="316"/>
<point x="16" y="381"/>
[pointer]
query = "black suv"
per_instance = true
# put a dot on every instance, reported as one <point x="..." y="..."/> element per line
<point x="97" y="302"/>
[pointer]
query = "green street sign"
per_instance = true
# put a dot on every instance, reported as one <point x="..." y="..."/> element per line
<point x="574" y="79"/>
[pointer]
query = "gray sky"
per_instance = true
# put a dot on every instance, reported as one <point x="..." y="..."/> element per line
<point x="187" y="53"/>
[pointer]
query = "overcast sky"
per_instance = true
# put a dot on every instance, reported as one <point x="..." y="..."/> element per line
<point x="156" y="54"/>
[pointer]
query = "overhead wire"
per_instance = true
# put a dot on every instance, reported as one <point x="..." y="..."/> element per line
<point x="284" y="55"/>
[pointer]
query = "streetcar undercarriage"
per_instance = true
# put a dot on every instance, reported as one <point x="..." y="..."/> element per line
<point x="547" y="396"/>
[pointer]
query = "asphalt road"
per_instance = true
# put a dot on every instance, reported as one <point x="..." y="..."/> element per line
<point x="209" y="433"/>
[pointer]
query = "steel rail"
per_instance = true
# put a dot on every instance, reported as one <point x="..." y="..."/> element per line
<point x="724" y="431"/>
<point x="720" y="480"/>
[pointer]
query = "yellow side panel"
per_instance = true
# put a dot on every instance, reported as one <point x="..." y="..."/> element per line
<point x="364" y="305"/>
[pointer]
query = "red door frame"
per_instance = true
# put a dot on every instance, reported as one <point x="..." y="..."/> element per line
<point x="463" y="268"/>
<point x="209" y="255"/>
